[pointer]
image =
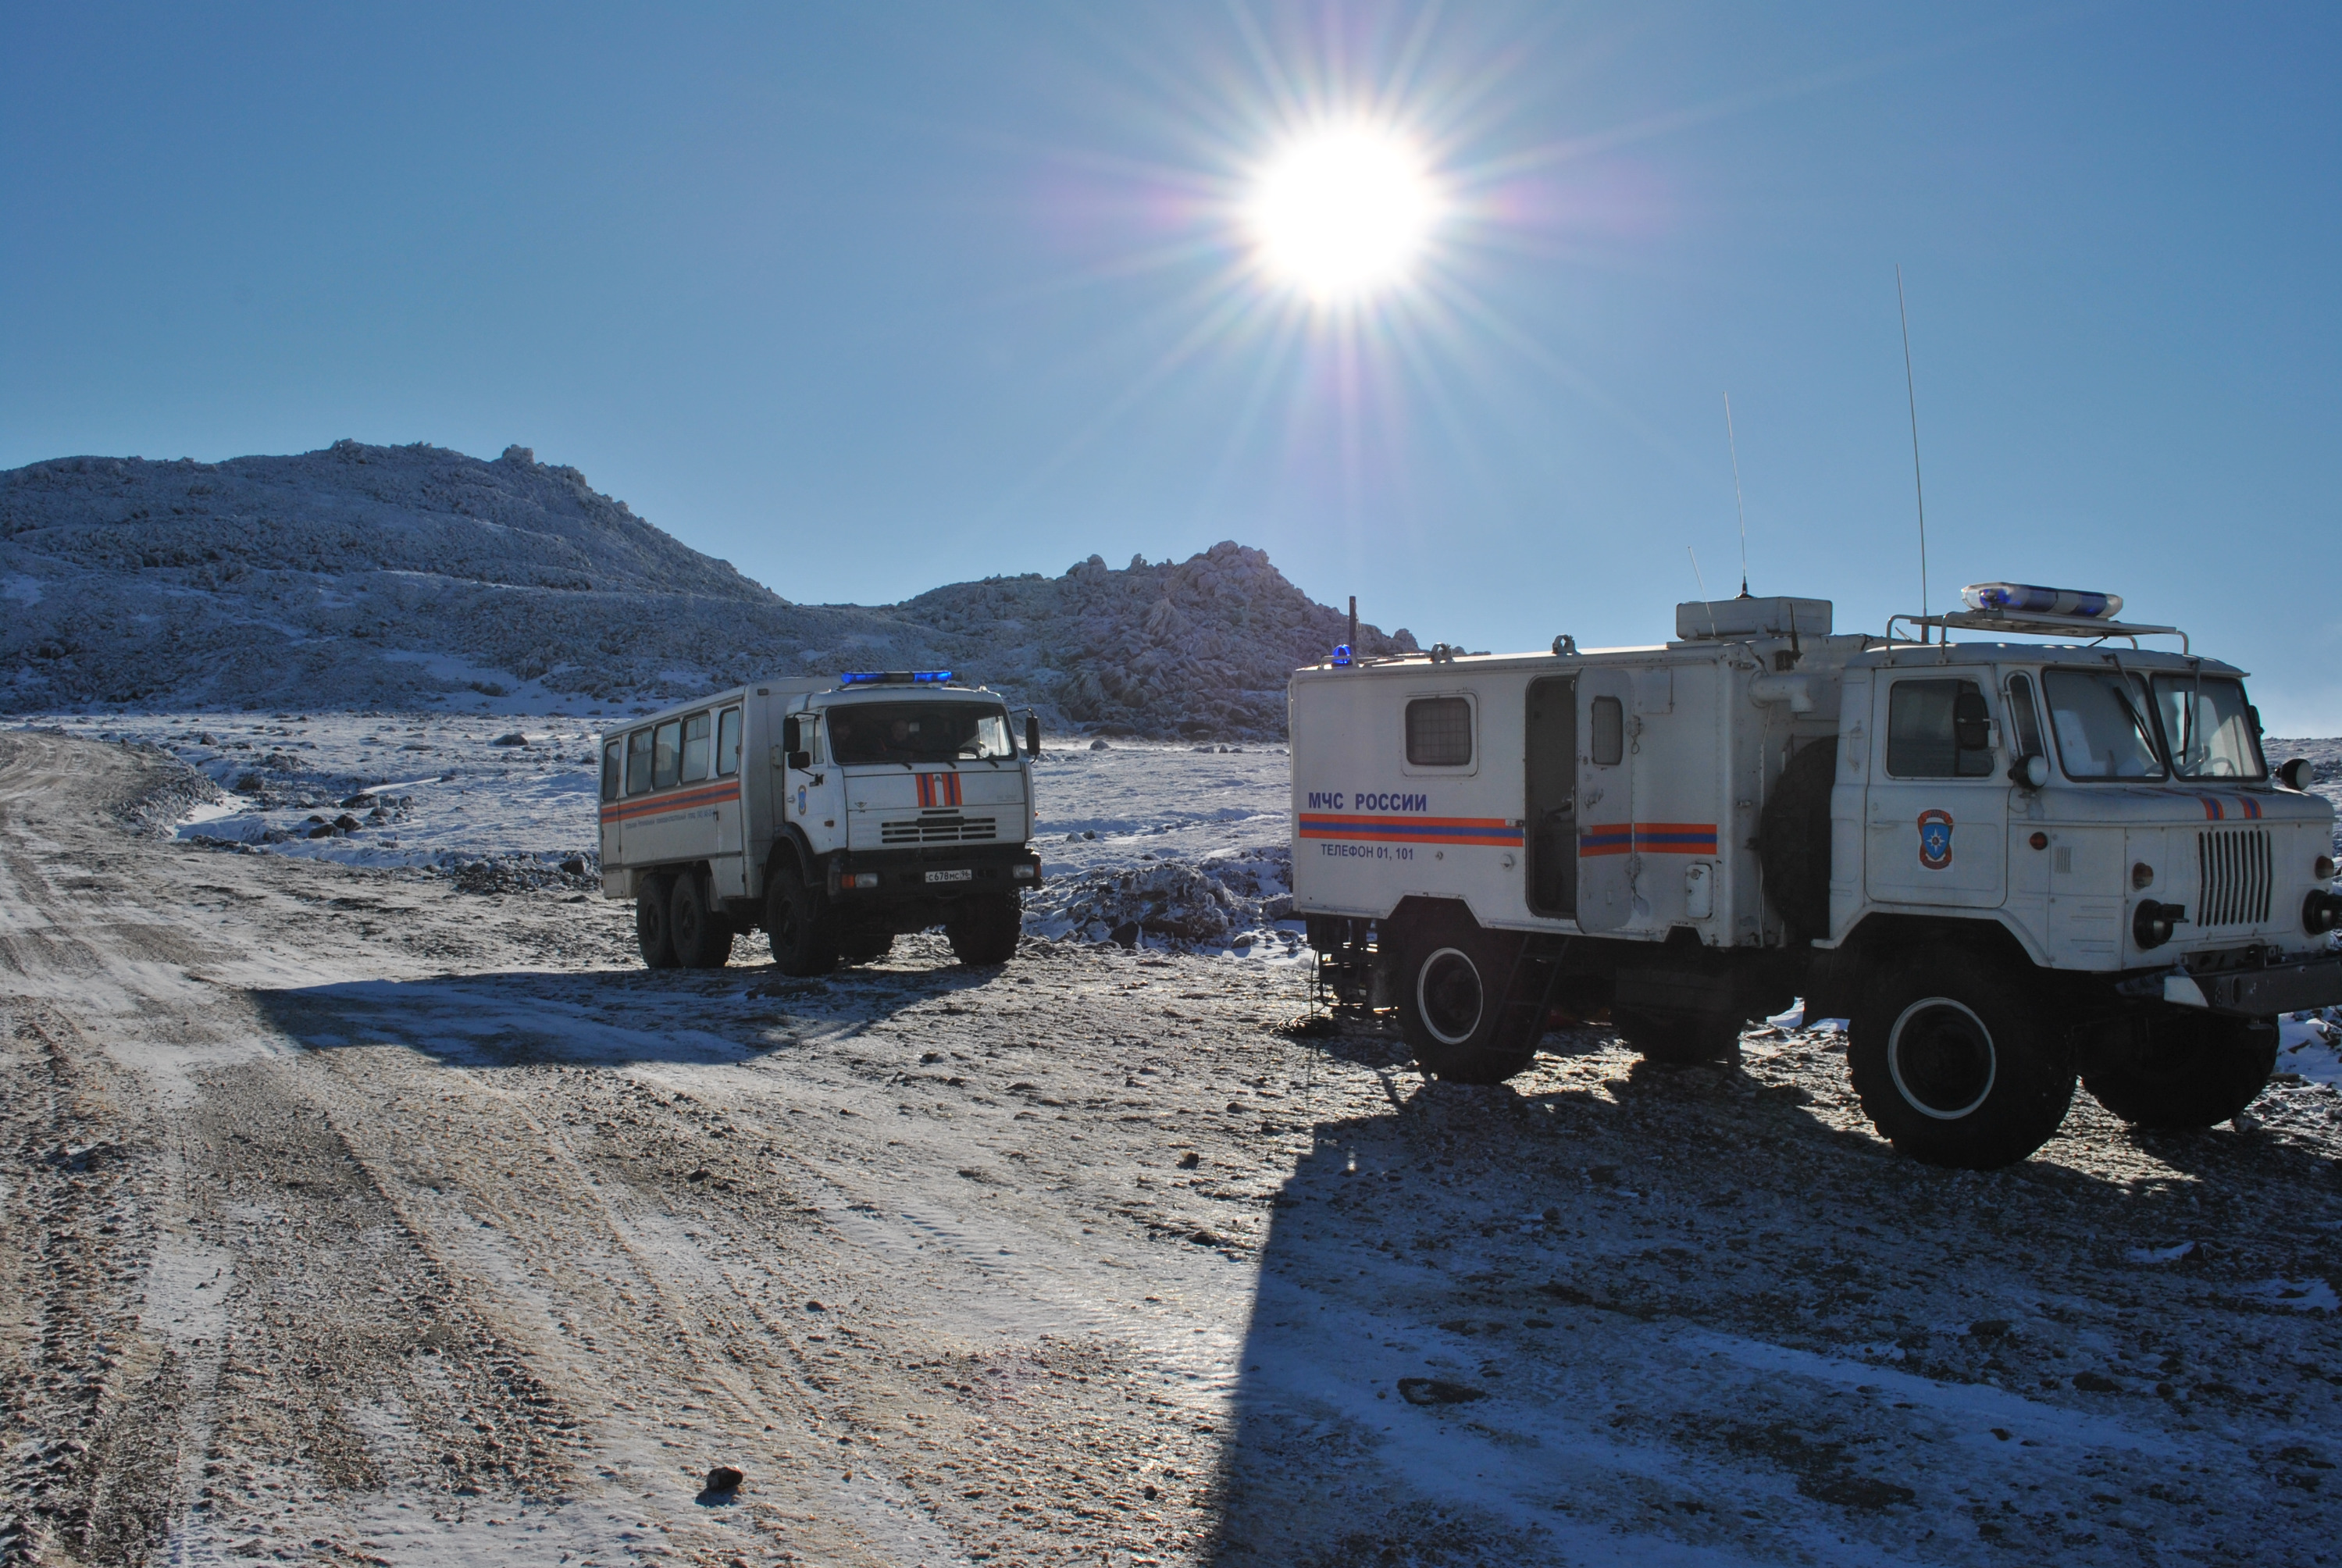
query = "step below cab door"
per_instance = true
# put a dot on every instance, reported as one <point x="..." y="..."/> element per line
<point x="1935" y="823"/>
<point x="1606" y="864"/>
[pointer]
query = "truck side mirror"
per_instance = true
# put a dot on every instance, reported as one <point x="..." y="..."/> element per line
<point x="793" y="745"/>
<point x="1971" y="722"/>
<point x="1032" y="734"/>
<point x="2297" y="774"/>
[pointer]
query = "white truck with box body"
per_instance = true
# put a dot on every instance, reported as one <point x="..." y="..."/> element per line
<point x="2009" y="864"/>
<point x="835" y="814"/>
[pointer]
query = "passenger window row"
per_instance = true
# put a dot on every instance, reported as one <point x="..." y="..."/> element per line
<point x="678" y="752"/>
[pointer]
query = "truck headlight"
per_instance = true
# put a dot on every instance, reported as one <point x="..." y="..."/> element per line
<point x="2321" y="912"/>
<point x="2152" y="925"/>
<point x="1023" y="873"/>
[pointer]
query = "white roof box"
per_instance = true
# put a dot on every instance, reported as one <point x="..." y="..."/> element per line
<point x="1705" y="620"/>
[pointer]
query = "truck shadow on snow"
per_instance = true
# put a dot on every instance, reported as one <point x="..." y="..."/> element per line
<point x="1705" y="1306"/>
<point x="606" y="1017"/>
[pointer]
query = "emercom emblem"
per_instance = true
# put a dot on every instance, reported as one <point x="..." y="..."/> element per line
<point x="1935" y="839"/>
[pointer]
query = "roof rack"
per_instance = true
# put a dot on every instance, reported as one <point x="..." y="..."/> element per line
<point x="2036" y="624"/>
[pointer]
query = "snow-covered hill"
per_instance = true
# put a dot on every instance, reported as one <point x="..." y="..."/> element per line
<point x="372" y="577"/>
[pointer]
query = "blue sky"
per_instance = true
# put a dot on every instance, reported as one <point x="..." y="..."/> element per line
<point x="868" y="299"/>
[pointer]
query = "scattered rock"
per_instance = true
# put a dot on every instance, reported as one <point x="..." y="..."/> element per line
<point x="1098" y="747"/>
<point x="1178" y="905"/>
<point x="724" y="1478"/>
<point x="2095" y="1383"/>
<point x="1190" y="1160"/>
<point x="510" y="738"/>
<point x="1437" y="1391"/>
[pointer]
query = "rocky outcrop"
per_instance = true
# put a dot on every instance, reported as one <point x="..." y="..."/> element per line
<point x="373" y="576"/>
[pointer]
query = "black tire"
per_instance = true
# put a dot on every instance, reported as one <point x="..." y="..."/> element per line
<point x="799" y="925"/>
<point x="1793" y="837"/>
<point x="1680" y="1038"/>
<point x="2194" y="1073"/>
<point x="865" y="946"/>
<point x="1957" y="1063"/>
<point x="1451" y="1004"/>
<point x="984" y="930"/>
<point x="653" y="927"/>
<point x="702" y="937"/>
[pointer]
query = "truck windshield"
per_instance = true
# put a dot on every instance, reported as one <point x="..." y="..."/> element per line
<point x="2208" y="727"/>
<point x="917" y="733"/>
<point x="2101" y="723"/>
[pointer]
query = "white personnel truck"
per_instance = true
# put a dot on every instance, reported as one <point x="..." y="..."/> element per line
<point x="835" y="814"/>
<point x="2009" y="865"/>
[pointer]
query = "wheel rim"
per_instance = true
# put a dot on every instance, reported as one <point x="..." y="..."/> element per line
<point x="1448" y="995"/>
<point x="1942" y="1058"/>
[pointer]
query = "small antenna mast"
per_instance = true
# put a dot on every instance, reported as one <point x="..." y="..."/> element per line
<point x="1911" y="390"/>
<point x="1733" y="441"/>
<point x="1703" y="599"/>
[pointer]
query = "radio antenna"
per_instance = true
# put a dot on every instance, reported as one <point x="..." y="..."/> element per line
<point x="1911" y="390"/>
<point x="1734" y="443"/>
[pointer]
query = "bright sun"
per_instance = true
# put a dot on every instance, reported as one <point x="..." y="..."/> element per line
<point x="1341" y="214"/>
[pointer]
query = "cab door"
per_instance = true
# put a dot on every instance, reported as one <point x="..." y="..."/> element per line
<point x="613" y="763"/>
<point x="1936" y="821"/>
<point x="812" y="789"/>
<point x="1606" y="864"/>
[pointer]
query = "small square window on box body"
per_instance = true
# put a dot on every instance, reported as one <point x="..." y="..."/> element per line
<point x="1439" y="732"/>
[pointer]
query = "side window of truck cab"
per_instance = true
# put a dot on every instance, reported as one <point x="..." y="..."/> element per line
<point x="612" y="767"/>
<point x="638" y="763"/>
<point x="1938" y="729"/>
<point x="727" y="742"/>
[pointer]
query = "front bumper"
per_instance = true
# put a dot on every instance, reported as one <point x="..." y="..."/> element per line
<point x="924" y="875"/>
<point x="2298" y="985"/>
<point x="2295" y="987"/>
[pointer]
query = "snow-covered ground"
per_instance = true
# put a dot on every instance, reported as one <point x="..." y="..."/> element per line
<point x="349" y="1215"/>
<point x="1186" y="842"/>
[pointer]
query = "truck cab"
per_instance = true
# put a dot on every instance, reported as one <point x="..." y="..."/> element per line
<point x="833" y="815"/>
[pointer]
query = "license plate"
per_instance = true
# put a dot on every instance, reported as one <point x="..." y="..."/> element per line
<point x="961" y="875"/>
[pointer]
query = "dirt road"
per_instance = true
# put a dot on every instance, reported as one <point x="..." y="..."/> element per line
<point x="346" y="1217"/>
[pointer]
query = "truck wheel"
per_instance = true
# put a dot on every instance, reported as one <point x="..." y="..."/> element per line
<point x="654" y="930"/>
<point x="798" y="923"/>
<point x="702" y="938"/>
<point x="2197" y="1072"/>
<point x="1451" y="1002"/>
<point x="865" y="947"/>
<point x="1955" y="1066"/>
<point x="985" y="931"/>
<point x="1682" y="1038"/>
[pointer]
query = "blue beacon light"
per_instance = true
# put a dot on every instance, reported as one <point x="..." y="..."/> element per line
<point x="1341" y="655"/>
<point x="2024" y="597"/>
<point x="894" y="678"/>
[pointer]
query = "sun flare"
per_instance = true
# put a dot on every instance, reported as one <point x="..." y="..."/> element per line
<point x="1343" y="212"/>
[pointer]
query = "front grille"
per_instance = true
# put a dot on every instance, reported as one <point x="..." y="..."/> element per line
<point x="2233" y="877"/>
<point x="936" y="827"/>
